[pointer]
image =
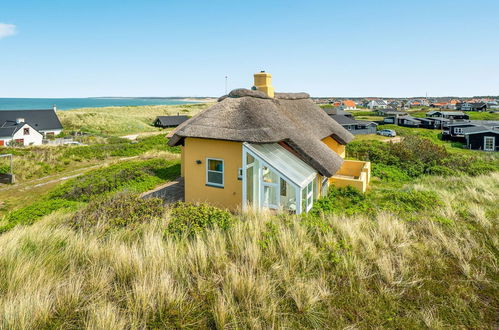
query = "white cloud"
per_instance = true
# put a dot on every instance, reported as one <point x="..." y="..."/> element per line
<point x="7" y="30"/>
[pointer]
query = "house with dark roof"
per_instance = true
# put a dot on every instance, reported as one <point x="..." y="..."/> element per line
<point x="169" y="121"/>
<point x="356" y="127"/>
<point x="454" y="115"/>
<point x="390" y="112"/>
<point x="456" y="131"/>
<point x="264" y="150"/>
<point x="377" y="104"/>
<point x="338" y="112"/>
<point x="28" y="127"/>
<point x="471" y="106"/>
<point x="482" y="138"/>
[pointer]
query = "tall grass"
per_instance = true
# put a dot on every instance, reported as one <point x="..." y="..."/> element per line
<point x="265" y="271"/>
<point x="122" y="120"/>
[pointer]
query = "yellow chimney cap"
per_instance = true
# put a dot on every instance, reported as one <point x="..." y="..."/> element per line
<point x="263" y="82"/>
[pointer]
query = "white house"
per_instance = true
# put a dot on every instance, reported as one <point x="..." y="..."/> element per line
<point x="377" y="104"/>
<point x="21" y="133"/>
<point x="28" y="127"/>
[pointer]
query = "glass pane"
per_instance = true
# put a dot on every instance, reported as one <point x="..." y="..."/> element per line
<point x="288" y="196"/>
<point x="250" y="186"/>
<point x="268" y="175"/>
<point x="304" y="199"/>
<point x="283" y="187"/>
<point x="215" y="177"/>
<point x="249" y="159"/>
<point x="270" y="196"/>
<point x="215" y="165"/>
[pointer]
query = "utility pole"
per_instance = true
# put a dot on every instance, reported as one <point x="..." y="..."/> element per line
<point x="226" y="77"/>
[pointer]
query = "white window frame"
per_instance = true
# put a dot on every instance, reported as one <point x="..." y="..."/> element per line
<point x="485" y="138"/>
<point x="280" y="176"/>
<point x="458" y="130"/>
<point x="211" y="184"/>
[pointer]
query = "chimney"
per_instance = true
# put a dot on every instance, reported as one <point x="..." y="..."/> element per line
<point x="19" y="120"/>
<point x="54" y="107"/>
<point x="263" y="82"/>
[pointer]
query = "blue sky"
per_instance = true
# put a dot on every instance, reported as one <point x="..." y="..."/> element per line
<point x="185" y="48"/>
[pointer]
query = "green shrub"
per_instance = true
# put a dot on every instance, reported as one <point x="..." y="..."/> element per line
<point x="344" y="200"/>
<point x="389" y="173"/>
<point x="419" y="155"/>
<point x="118" y="211"/>
<point x="408" y="202"/>
<point x="188" y="219"/>
<point x="137" y="176"/>
<point x="29" y="214"/>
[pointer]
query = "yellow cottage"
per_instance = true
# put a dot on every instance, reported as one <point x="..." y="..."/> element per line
<point x="264" y="149"/>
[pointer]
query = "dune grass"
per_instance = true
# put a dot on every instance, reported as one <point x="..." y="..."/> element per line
<point x="266" y="270"/>
<point x="117" y="121"/>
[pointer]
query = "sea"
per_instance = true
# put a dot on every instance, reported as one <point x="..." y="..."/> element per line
<point x="76" y="103"/>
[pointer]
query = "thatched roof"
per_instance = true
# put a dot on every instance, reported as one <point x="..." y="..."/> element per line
<point x="251" y="116"/>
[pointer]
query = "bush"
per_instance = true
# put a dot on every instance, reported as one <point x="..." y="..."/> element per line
<point x="389" y="173"/>
<point x="119" y="211"/>
<point x="29" y="214"/>
<point x="416" y="156"/>
<point x="138" y="176"/>
<point x="344" y="200"/>
<point x="408" y="202"/>
<point x="188" y="219"/>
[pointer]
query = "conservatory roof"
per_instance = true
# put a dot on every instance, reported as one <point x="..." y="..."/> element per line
<point x="284" y="162"/>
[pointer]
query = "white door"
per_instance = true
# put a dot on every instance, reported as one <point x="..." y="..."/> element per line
<point x="489" y="143"/>
<point x="270" y="188"/>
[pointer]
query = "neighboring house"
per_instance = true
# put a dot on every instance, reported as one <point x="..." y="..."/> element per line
<point x="355" y="127"/>
<point x="456" y="131"/>
<point x="169" y="121"/>
<point x="264" y="150"/>
<point x="407" y="121"/>
<point x="429" y="123"/>
<point x="337" y="111"/>
<point x="390" y="112"/>
<point x="348" y="105"/>
<point x="482" y="138"/>
<point x="20" y="133"/>
<point x="472" y="106"/>
<point x="395" y="104"/>
<point x="440" y="105"/>
<point x="438" y="122"/>
<point x="455" y="115"/>
<point x="28" y="127"/>
<point x="377" y="104"/>
<point x="493" y="105"/>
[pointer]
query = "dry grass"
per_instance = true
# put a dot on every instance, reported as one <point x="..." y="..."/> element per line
<point x="122" y="120"/>
<point x="267" y="271"/>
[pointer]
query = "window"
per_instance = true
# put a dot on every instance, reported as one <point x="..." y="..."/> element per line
<point x="488" y="143"/>
<point x="458" y="130"/>
<point x="26" y="131"/>
<point x="214" y="172"/>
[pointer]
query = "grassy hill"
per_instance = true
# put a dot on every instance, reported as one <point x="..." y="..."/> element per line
<point x="122" y="120"/>
<point x="264" y="270"/>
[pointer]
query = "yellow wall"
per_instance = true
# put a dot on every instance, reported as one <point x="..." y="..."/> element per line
<point x="230" y="195"/>
<point x="182" y="159"/>
<point x="336" y="146"/>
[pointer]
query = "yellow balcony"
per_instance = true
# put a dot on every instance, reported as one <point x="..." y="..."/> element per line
<point x="353" y="173"/>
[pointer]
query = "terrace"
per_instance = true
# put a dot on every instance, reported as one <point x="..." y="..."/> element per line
<point x="353" y="173"/>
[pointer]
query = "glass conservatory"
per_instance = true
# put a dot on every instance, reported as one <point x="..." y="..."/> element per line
<point x="274" y="178"/>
